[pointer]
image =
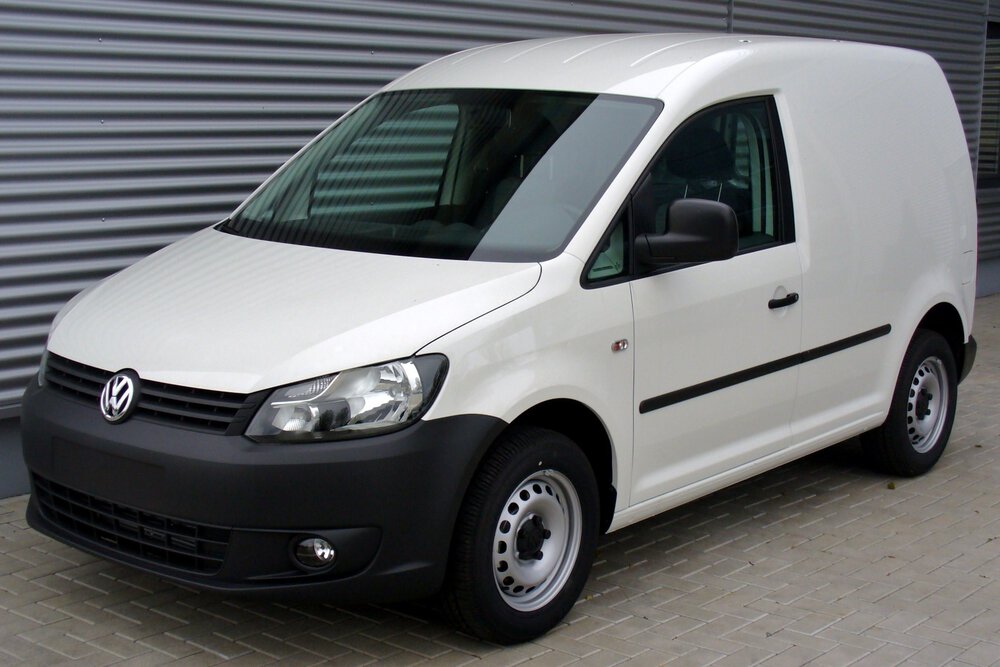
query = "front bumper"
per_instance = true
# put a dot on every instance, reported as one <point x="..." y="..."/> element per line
<point x="142" y="493"/>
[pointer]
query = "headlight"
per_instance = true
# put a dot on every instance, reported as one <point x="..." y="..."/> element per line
<point x="350" y="404"/>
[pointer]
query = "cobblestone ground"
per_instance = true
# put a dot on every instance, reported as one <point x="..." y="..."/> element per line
<point x="818" y="562"/>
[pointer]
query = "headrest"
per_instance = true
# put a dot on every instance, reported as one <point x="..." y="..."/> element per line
<point x="699" y="152"/>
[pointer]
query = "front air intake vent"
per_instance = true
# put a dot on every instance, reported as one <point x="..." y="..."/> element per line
<point x="150" y="537"/>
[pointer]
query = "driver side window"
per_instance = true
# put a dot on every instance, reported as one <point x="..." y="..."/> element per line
<point x="727" y="154"/>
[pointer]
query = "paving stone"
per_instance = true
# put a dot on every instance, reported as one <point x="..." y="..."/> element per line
<point x="118" y="646"/>
<point x="175" y="648"/>
<point x="982" y="654"/>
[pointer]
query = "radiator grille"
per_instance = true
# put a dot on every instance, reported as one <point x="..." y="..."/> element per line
<point x="199" y="409"/>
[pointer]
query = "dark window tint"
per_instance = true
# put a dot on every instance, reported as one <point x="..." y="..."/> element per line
<point x="502" y="175"/>
<point x="726" y="154"/>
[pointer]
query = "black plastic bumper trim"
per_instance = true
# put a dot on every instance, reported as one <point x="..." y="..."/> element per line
<point x="181" y="545"/>
<point x="387" y="503"/>
<point x="709" y="386"/>
<point x="968" y="358"/>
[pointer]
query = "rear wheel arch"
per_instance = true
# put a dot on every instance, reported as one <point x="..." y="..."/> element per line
<point x="922" y="409"/>
<point x="945" y="319"/>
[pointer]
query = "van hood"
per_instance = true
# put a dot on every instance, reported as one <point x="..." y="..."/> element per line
<point x="217" y="311"/>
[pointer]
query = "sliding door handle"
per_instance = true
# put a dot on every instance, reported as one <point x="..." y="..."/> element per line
<point x="787" y="300"/>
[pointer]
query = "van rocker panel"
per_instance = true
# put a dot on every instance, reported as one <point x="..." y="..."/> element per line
<point x="393" y="496"/>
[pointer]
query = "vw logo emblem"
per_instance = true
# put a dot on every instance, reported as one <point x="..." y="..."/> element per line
<point x="120" y="396"/>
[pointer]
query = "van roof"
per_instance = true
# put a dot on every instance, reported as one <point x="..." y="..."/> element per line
<point x="628" y="64"/>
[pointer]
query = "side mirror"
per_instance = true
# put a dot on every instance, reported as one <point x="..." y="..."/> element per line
<point x="698" y="230"/>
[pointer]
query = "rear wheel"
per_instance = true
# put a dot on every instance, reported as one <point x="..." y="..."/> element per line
<point x="916" y="431"/>
<point x="525" y="538"/>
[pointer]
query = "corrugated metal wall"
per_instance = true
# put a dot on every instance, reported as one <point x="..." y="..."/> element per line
<point x="989" y="194"/>
<point x="125" y="125"/>
<point x="989" y="125"/>
<point x="988" y="198"/>
<point x="988" y="201"/>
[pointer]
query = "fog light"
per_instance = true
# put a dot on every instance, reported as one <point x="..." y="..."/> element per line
<point x="315" y="553"/>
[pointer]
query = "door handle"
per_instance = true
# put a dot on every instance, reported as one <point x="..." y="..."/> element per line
<point x="787" y="300"/>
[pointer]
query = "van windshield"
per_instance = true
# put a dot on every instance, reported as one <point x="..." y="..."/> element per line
<point x="493" y="175"/>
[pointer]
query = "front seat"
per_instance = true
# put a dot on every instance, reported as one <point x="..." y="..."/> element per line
<point x="699" y="165"/>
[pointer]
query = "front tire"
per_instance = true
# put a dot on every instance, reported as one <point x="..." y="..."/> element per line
<point x="525" y="538"/>
<point x="922" y="412"/>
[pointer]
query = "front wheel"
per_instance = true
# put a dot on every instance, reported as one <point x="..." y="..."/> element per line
<point x="922" y="412"/>
<point x="525" y="538"/>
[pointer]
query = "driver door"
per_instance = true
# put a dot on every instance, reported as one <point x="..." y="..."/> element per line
<point x="717" y="343"/>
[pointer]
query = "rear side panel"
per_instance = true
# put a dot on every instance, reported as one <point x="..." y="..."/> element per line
<point x="885" y="220"/>
<point x="886" y="216"/>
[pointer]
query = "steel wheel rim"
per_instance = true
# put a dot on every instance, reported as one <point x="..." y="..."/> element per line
<point x="527" y="583"/>
<point x="927" y="404"/>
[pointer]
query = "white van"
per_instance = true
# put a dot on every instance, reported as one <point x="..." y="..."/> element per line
<point x="523" y="295"/>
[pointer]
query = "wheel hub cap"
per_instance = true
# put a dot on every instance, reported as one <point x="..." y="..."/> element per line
<point x="536" y="540"/>
<point x="923" y="403"/>
<point x="927" y="404"/>
<point x="531" y="537"/>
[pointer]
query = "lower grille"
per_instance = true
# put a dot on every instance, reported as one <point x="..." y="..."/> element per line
<point x="158" y="539"/>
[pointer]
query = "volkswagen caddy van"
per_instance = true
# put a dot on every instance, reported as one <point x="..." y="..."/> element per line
<point x="521" y="296"/>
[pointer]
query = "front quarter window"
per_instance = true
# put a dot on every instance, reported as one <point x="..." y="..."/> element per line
<point x="493" y="175"/>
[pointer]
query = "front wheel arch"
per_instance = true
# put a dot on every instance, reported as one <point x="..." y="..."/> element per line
<point x="483" y="602"/>
<point x="580" y="424"/>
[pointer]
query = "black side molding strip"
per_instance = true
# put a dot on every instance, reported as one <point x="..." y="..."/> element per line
<point x="707" y="387"/>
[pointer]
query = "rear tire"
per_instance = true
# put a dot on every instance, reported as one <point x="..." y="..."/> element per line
<point x="922" y="412"/>
<point x="525" y="538"/>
